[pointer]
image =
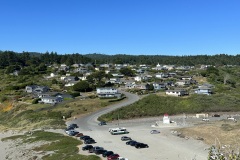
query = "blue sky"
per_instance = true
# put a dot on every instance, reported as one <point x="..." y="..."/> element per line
<point x="136" y="27"/>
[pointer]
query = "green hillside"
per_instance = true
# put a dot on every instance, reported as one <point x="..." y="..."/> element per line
<point x="154" y="105"/>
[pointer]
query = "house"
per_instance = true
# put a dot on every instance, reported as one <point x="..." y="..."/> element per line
<point x="138" y="78"/>
<point x="186" y="78"/>
<point x="70" y="83"/>
<point x="161" y="75"/>
<point x="117" y="75"/>
<point x="130" y="85"/>
<point x="140" y="71"/>
<point x="80" y="70"/>
<point x="105" y="65"/>
<point x="158" y="67"/>
<point x="183" y="83"/>
<point x="169" y="67"/>
<point x="172" y="74"/>
<point x="54" y="94"/>
<point x="115" y="80"/>
<point x="75" y="65"/>
<point x="107" y="92"/>
<point x="69" y="79"/>
<point x="203" y="90"/>
<point x="15" y="73"/>
<point x="118" y="66"/>
<point x="176" y="92"/>
<point x="63" y="67"/>
<point x="51" y="100"/>
<point x="52" y="75"/>
<point x="159" y="86"/>
<point x="36" y="89"/>
<point x="83" y="78"/>
<point x="140" y="86"/>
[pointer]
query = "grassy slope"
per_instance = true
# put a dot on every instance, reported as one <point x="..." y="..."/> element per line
<point x="64" y="147"/>
<point x="154" y="105"/>
<point x="27" y="116"/>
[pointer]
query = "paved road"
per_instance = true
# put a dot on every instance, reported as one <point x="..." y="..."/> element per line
<point x="89" y="121"/>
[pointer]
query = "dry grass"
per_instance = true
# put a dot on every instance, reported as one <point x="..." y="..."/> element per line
<point x="216" y="133"/>
<point x="82" y="107"/>
<point x="200" y="79"/>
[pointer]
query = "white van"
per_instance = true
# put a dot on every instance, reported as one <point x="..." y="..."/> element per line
<point x="119" y="131"/>
<point x="110" y="129"/>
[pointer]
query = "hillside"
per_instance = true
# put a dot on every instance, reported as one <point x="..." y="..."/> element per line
<point x="155" y="105"/>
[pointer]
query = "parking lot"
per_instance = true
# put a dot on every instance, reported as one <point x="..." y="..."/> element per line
<point x="161" y="146"/>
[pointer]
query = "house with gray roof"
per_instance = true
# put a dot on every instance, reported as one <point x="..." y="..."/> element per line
<point x="36" y="89"/>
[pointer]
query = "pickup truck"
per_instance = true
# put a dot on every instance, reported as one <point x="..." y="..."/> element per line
<point x="232" y="118"/>
<point x="205" y="119"/>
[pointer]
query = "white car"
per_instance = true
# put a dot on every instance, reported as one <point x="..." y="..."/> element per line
<point x="121" y="158"/>
<point x="154" y="131"/>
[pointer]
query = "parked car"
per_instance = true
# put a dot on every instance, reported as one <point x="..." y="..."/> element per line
<point x="89" y="141"/>
<point x="83" y="137"/>
<point x="102" y="123"/>
<point x="133" y="143"/>
<point x="125" y="138"/>
<point x="141" y="145"/>
<point x="101" y="151"/>
<point x="216" y="115"/>
<point x="87" y="147"/>
<point x="108" y="153"/>
<point x="94" y="149"/>
<point x="129" y="142"/>
<point x="73" y="125"/>
<point x="154" y="131"/>
<point x="69" y="128"/>
<point x="113" y="157"/>
<point x="79" y="135"/>
<point x="72" y="132"/>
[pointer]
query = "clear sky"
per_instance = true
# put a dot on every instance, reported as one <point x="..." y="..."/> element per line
<point x="136" y="27"/>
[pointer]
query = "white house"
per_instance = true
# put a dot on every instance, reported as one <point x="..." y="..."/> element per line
<point x="159" y="86"/>
<point x="70" y="83"/>
<point x="161" y="75"/>
<point x="203" y="90"/>
<point x="115" y="80"/>
<point x="138" y="78"/>
<point x="51" y="100"/>
<point x="183" y="83"/>
<point x="176" y="92"/>
<point x="107" y="92"/>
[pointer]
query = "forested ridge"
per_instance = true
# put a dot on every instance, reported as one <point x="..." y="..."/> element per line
<point x="8" y="58"/>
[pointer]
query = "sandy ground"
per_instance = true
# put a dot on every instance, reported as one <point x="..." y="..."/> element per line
<point x="163" y="146"/>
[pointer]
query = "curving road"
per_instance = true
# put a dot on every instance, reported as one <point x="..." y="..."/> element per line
<point x="89" y="121"/>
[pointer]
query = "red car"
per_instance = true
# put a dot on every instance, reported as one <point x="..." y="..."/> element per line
<point x="113" y="157"/>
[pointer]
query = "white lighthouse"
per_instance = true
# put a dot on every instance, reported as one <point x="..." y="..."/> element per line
<point x="166" y="119"/>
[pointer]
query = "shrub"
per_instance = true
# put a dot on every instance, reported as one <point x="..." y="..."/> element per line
<point x="35" y="101"/>
<point x="75" y="94"/>
<point x="3" y="98"/>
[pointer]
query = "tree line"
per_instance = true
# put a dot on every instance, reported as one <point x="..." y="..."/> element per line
<point x="10" y="58"/>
